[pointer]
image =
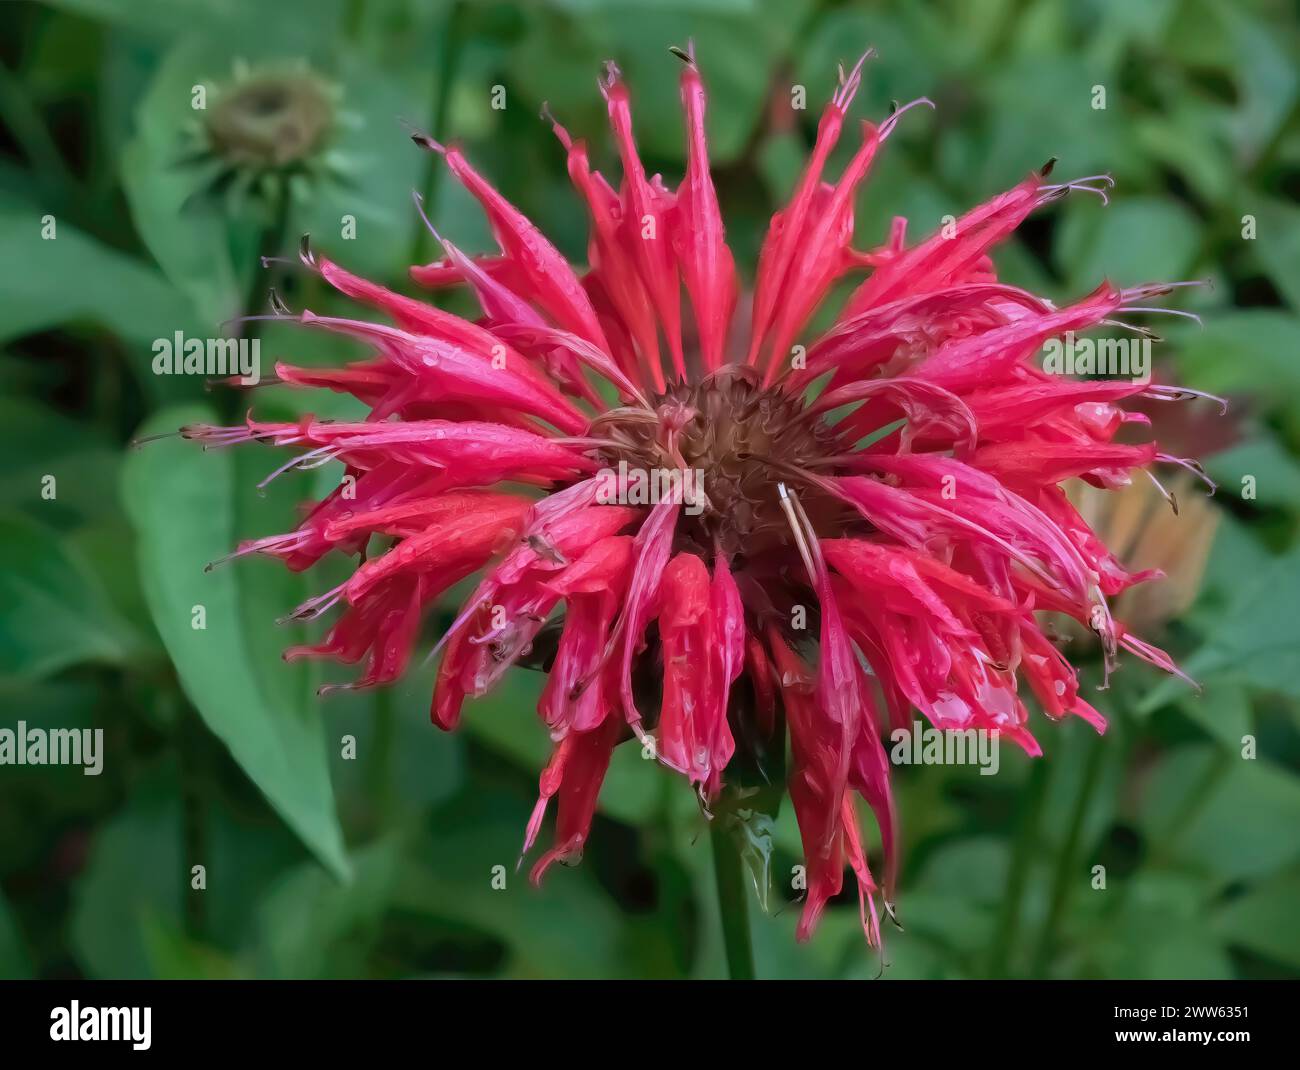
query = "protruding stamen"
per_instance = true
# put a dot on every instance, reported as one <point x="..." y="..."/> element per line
<point x="273" y="543"/>
<point x="1193" y="466"/>
<point x="314" y="607"/>
<point x="1082" y="185"/>
<point x="788" y="506"/>
<point x="277" y="304"/>
<point x="686" y="55"/>
<point x="316" y="458"/>
<point x="418" y="198"/>
<point x="144" y="440"/>
<point x="1161" y="392"/>
<point x="1145" y="332"/>
<point x="306" y="255"/>
<point x="426" y="141"/>
<point x="1166" y="311"/>
<point x="887" y="127"/>
<point x="212" y="436"/>
<point x="610" y="78"/>
<point x="1158" y="289"/>
<point x="1165" y="492"/>
<point x="849" y="83"/>
<point x="236" y="321"/>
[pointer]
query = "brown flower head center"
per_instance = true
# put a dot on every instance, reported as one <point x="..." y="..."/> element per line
<point x="732" y="441"/>
<point x="270" y="120"/>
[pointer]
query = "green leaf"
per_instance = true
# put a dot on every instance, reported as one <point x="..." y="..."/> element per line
<point x="380" y="169"/>
<point x="506" y="720"/>
<point x="1223" y="710"/>
<point x="100" y="544"/>
<point x="183" y="503"/>
<point x="1276" y="474"/>
<point x="403" y="764"/>
<point x="1189" y="136"/>
<point x="955" y="900"/>
<point x="72" y="278"/>
<point x="1244" y="349"/>
<point x="427" y="764"/>
<point x="1040" y="105"/>
<point x="976" y="867"/>
<point x="39" y="441"/>
<point x="1256" y="641"/>
<point x="1263" y="920"/>
<point x="55" y="612"/>
<point x="1221" y="814"/>
<point x="1266" y="80"/>
<point x="304" y="917"/>
<point x="1133" y="240"/>
<point x="456" y="879"/>
<point x="136" y="872"/>
<point x="174" y="955"/>
<point x="1277" y="246"/>
<point x="288" y="20"/>
<point x="1237" y="552"/>
<point x="1159" y="934"/>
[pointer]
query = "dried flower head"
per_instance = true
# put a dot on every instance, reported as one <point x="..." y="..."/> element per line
<point x="879" y="516"/>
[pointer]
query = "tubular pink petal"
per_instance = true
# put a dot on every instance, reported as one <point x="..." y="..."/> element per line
<point x="653" y="546"/>
<point x="788" y="225"/>
<point x="551" y="282"/>
<point x="706" y="263"/>
<point x="648" y="221"/>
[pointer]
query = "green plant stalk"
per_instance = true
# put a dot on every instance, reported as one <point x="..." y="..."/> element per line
<point x="443" y="86"/>
<point x="261" y="280"/>
<point x="1018" y="873"/>
<point x="380" y="772"/>
<point x="733" y="906"/>
<point x="194" y="818"/>
<point x="271" y="243"/>
<point x="1065" y="872"/>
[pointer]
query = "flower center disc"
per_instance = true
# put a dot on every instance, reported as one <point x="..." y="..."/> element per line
<point x="270" y="120"/>
<point x="741" y="440"/>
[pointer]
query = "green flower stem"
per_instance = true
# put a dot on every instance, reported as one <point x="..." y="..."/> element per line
<point x="272" y="241"/>
<point x="445" y="82"/>
<point x="733" y="904"/>
<point x="1066" y="877"/>
<point x="380" y="774"/>
<point x="195" y="792"/>
<point x="261" y="281"/>
<point x="1002" y="957"/>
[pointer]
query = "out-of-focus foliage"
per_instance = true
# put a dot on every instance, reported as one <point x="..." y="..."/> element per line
<point x="218" y="754"/>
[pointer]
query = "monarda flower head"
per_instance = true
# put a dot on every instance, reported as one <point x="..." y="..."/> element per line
<point x="896" y="480"/>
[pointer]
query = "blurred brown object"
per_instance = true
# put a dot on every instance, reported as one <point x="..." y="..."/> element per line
<point x="1142" y="530"/>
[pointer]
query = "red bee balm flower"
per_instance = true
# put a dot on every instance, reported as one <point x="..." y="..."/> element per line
<point x="900" y="474"/>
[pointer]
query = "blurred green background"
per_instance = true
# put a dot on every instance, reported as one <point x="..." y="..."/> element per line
<point x="218" y="754"/>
